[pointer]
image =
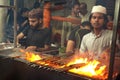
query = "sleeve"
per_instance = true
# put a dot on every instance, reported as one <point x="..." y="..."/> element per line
<point x="25" y="30"/>
<point x="72" y="35"/>
<point x="83" y="47"/>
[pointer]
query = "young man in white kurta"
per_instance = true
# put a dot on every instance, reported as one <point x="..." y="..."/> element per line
<point x="98" y="42"/>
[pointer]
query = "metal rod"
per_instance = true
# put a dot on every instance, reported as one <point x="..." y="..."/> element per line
<point x="15" y="23"/>
<point x="4" y="6"/>
<point x="49" y="51"/>
<point x="114" y="37"/>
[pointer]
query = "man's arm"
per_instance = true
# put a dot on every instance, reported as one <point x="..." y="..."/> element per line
<point x="35" y="48"/>
<point x="83" y="49"/>
<point x="70" y="46"/>
<point x="45" y="48"/>
<point x="19" y="36"/>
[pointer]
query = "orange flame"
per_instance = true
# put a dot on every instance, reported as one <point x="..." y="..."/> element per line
<point x="90" y="69"/>
<point x="32" y="57"/>
<point x="77" y="61"/>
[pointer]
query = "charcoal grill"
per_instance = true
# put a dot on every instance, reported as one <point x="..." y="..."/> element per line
<point x="15" y="68"/>
<point x="19" y="69"/>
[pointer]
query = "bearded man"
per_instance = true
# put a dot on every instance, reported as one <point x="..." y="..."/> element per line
<point x="37" y="36"/>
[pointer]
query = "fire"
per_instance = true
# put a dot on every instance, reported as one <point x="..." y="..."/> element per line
<point x="80" y="66"/>
<point x="90" y="69"/>
<point x="77" y="61"/>
<point x="32" y="57"/>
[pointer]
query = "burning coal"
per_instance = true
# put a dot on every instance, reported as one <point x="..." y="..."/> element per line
<point x="78" y="65"/>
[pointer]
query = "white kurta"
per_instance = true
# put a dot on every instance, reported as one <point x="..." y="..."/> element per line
<point x="93" y="44"/>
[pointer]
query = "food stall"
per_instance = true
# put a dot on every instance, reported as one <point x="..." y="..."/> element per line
<point x="19" y="64"/>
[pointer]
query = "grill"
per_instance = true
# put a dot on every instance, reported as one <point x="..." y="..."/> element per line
<point x="17" y="68"/>
<point x="20" y="69"/>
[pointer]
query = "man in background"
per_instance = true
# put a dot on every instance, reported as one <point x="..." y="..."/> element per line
<point x="84" y="14"/>
<point x="68" y="26"/>
<point x="76" y="35"/>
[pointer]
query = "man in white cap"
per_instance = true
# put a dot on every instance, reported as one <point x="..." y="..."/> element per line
<point x="96" y="44"/>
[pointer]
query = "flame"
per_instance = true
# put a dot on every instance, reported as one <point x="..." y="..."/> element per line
<point x="90" y="69"/>
<point x="32" y="57"/>
<point x="93" y="68"/>
<point x="77" y="61"/>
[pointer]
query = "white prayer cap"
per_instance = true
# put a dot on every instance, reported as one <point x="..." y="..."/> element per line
<point x="99" y="9"/>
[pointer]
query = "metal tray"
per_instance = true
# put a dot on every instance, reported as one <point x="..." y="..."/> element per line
<point x="6" y="46"/>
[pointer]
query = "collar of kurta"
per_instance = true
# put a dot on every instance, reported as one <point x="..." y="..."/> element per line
<point x="99" y="35"/>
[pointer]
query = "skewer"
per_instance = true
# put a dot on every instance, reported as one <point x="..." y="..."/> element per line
<point x="72" y="66"/>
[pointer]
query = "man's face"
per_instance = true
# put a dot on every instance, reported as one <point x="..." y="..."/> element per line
<point x="25" y="14"/>
<point x="82" y="9"/>
<point x="97" y="20"/>
<point x="110" y="25"/>
<point x="34" y="22"/>
<point x="76" y="9"/>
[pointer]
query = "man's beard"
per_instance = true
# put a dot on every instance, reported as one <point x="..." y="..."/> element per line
<point x="36" y="26"/>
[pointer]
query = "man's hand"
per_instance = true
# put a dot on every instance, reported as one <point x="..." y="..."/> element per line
<point x="104" y="57"/>
<point x="31" y="48"/>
